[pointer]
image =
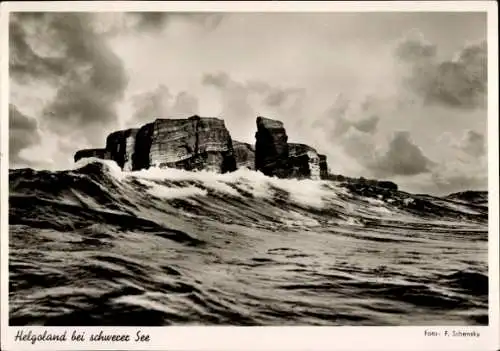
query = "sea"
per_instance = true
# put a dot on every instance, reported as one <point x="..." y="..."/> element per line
<point x="95" y="246"/>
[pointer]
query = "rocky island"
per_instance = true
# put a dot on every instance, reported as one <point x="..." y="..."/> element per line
<point x="204" y="143"/>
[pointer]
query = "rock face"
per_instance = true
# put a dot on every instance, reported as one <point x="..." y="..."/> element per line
<point x="304" y="162"/>
<point x="274" y="156"/>
<point x="244" y="154"/>
<point x="193" y="144"/>
<point x="121" y="146"/>
<point x="98" y="153"/>
<point x="271" y="148"/>
<point x="323" y="167"/>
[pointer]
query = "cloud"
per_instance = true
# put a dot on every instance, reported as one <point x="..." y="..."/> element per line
<point x="129" y="23"/>
<point x="367" y="125"/>
<point x="185" y="104"/>
<point x="414" y="48"/>
<point x="458" y="82"/>
<point x="152" y="104"/>
<point x="345" y="114"/>
<point x="403" y="157"/>
<point x="474" y="144"/>
<point x="151" y="21"/>
<point x="219" y="80"/>
<point x="161" y="103"/>
<point x="461" y="182"/>
<point x="65" y="50"/>
<point x="243" y="101"/>
<point x="25" y="63"/>
<point x="23" y="133"/>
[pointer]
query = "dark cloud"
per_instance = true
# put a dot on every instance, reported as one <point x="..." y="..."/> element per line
<point x="88" y="76"/>
<point x="459" y="82"/>
<point x="23" y="133"/>
<point x="403" y="157"/>
<point x="474" y="144"/>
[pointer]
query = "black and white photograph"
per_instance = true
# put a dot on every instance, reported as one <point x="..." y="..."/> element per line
<point x="225" y="168"/>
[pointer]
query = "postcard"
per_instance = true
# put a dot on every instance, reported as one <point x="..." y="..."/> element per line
<point x="249" y="175"/>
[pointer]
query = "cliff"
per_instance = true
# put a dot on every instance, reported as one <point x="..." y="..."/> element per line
<point x="193" y="144"/>
<point x="274" y="156"/>
<point x="271" y="148"/>
<point x="197" y="143"/>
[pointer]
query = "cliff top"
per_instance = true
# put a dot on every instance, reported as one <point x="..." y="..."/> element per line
<point x="268" y="123"/>
<point x="194" y="117"/>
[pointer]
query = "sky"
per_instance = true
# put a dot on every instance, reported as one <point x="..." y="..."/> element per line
<point x="396" y="96"/>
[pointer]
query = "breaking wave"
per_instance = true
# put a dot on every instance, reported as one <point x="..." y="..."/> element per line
<point x="98" y="246"/>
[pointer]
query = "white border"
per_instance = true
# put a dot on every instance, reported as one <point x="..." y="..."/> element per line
<point x="270" y="338"/>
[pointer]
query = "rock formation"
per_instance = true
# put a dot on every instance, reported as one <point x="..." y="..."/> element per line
<point x="271" y="148"/>
<point x="121" y="146"/>
<point x="193" y="144"/>
<point x="244" y="154"/>
<point x="303" y="161"/>
<point x="323" y="167"/>
<point x="197" y="143"/>
<point x="274" y="156"/>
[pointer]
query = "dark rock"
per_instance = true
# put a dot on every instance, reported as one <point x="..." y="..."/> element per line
<point x="121" y="146"/>
<point x="271" y="148"/>
<point x="303" y="162"/>
<point x="87" y="153"/>
<point x="387" y="185"/>
<point x="323" y="167"/>
<point x="143" y="142"/>
<point x="244" y="154"/>
<point x="363" y="183"/>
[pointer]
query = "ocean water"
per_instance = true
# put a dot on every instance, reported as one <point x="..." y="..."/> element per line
<point x="97" y="246"/>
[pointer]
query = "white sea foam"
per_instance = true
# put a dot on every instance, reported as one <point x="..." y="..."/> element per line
<point x="305" y="192"/>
